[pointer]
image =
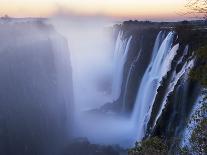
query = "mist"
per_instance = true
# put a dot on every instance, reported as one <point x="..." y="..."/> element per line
<point x="92" y="48"/>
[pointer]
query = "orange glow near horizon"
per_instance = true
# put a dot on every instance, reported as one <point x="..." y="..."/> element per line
<point x="162" y="9"/>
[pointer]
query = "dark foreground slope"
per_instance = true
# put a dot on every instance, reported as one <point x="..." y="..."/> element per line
<point x="35" y="89"/>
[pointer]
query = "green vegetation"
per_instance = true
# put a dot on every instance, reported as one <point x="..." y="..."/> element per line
<point x="157" y="146"/>
<point x="199" y="73"/>
<point x="198" y="138"/>
<point x="150" y="146"/>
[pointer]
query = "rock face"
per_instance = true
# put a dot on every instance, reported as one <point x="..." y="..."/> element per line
<point x="138" y="57"/>
<point x="177" y="93"/>
<point x="35" y="89"/>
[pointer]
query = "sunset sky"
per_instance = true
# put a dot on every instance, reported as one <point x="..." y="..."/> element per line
<point x="143" y="9"/>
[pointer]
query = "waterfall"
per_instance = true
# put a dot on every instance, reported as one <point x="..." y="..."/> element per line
<point x="162" y="57"/>
<point x="140" y="68"/>
<point x="195" y="115"/>
<point x="128" y="77"/>
<point x="120" y="58"/>
<point x="174" y="80"/>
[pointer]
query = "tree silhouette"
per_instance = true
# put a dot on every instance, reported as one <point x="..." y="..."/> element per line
<point x="197" y="7"/>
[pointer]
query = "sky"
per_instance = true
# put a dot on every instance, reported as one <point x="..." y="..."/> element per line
<point x="134" y="9"/>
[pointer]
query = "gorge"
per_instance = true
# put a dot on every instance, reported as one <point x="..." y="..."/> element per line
<point x="113" y="85"/>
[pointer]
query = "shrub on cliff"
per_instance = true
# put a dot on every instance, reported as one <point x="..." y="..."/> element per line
<point x="199" y="73"/>
<point x="198" y="138"/>
<point x="150" y="146"/>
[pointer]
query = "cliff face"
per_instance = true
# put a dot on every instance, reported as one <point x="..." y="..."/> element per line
<point x="36" y="97"/>
<point x="177" y="92"/>
<point x="180" y="102"/>
<point x="139" y="55"/>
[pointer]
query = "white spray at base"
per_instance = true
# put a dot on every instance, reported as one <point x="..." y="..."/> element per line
<point x="97" y="65"/>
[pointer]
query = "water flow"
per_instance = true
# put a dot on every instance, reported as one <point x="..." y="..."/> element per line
<point x="174" y="80"/>
<point x="93" y="63"/>
<point x="128" y="77"/>
<point x="120" y="58"/>
<point x="157" y="68"/>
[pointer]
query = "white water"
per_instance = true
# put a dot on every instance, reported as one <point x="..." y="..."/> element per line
<point x="158" y="68"/>
<point x="192" y="124"/>
<point x="128" y="76"/>
<point x="174" y="80"/>
<point x="198" y="112"/>
<point x="120" y="57"/>
<point x="92" y="62"/>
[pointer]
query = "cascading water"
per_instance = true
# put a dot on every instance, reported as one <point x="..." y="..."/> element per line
<point x="111" y="91"/>
<point x="174" y="80"/>
<point x="120" y="57"/>
<point x="103" y="124"/>
<point x="158" y="67"/>
<point x="128" y="77"/>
